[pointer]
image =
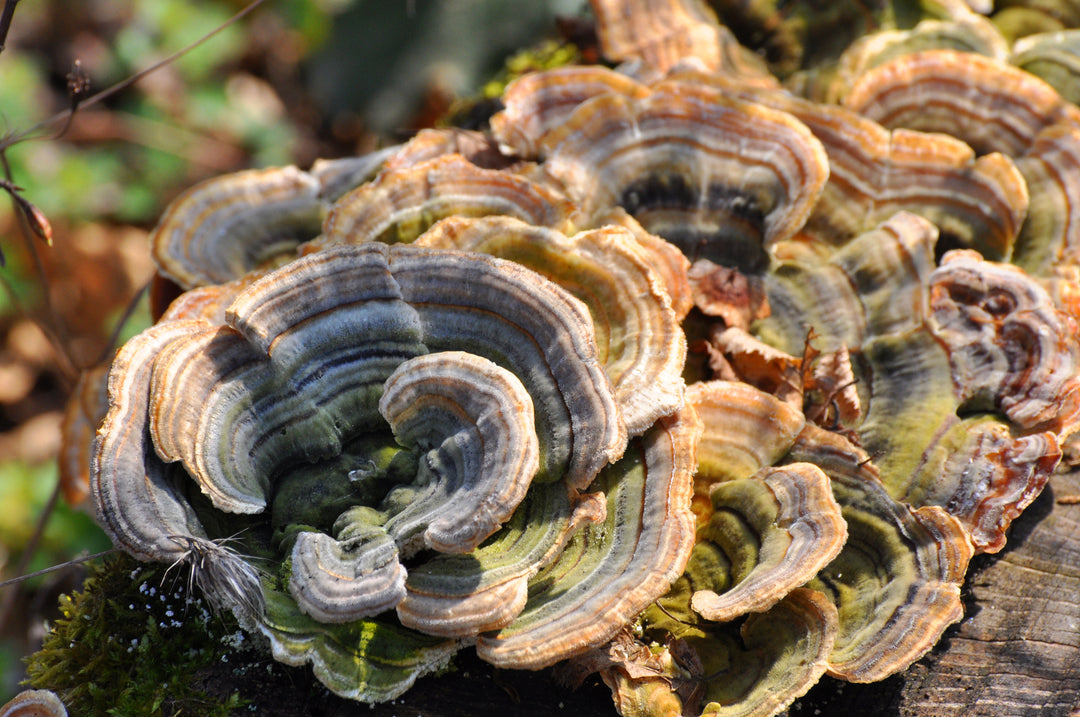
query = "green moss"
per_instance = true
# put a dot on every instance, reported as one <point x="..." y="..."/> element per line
<point x="132" y="643"/>
<point x="548" y="55"/>
<point x="475" y="111"/>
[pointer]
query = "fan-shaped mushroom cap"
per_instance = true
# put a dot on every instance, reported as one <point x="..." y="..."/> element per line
<point x="227" y="226"/>
<point x="479" y="418"/>
<point x="291" y="316"/>
<point x="719" y="177"/>
<point x="137" y="500"/>
<point x="539" y="102"/>
<point x="767" y="535"/>
<point x="640" y="343"/>
<point x="977" y="202"/>
<point x="475" y="421"/>
<point x="1052" y="57"/>
<point x="992" y="106"/>
<point x="306" y="351"/>
<point x="897" y="580"/>
<point x="338" y="176"/>
<point x="746" y="429"/>
<point x="85" y="410"/>
<point x="613" y="570"/>
<point x="661" y="33"/>
<point x="371" y="660"/>
<point x="930" y="346"/>
<point x="666" y="258"/>
<point x="34" y="703"/>
<point x="876" y="284"/>
<point x="1051" y="169"/>
<point x="966" y="32"/>
<point x="1010" y="349"/>
<point x="756" y="668"/>
<point x="400" y="205"/>
<point x="428" y="144"/>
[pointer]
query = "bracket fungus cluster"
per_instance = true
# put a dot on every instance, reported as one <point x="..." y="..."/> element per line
<point x="441" y="397"/>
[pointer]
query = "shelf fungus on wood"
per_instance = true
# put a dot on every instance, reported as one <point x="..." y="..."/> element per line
<point x="947" y="366"/>
<point x="746" y="430"/>
<point x="994" y="107"/>
<point x="989" y="104"/>
<point x="976" y="202"/>
<point x="401" y="204"/>
<point x="1051" y="235"/>
<point x="767" y="535"/>
<point x="434" y="397"/>
<point x="1052" y="57"/>
<point x="640" y="343"/>
<point x="721" y="178"/>
<point x="755" y="666"/>
<point x="612" y="569"/>
<point x="85" y="410"/>
<point x="536" y="104"/>
<point x="414" y="429"/>
<point x="227" y="226"/>
<point x="896" y="582"/>
<point x="661" y="34"/>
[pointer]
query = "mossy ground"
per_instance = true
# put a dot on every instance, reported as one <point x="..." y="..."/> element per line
<point x="132" y="642"/>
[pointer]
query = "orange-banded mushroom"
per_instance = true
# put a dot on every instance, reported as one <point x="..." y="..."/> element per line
<point x="34" y="703"/>
<point x="991" y="105"/>
<point x="976" y="202"/>
<point x="638" y="337"/>
<point x="474" y="420"/>
<point x="773" y="531"/>
<point x="289" y="341"/>
<point x="227" y="226"/>
<point x="933" y="348"/>
<point x="428" y="144"/>
<point x="1051" y="235"/>
<point x="536" y="104"/>
<point x="874" y="285"/>
<point x="746" y="430"/>
<point x="611" y="570"/>
<point x="276" y="413"/>
<point x="1011" y="350"/>
<point x="896" y="582"/>
<point x="964" y="32"/>
<point x="757" y="666"/>
<point x="83" y="414"/>
<point x="719" y="177"/>
<point x="401" y="204"/>
<point x="1051" y="56"/>
<point x="661" y="33"/>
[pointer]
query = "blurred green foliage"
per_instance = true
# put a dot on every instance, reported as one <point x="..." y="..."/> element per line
<point x="24" y="491"/>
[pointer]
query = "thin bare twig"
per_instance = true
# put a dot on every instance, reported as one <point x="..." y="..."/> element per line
<point x="31" y="221"/>
<point x="54" y="568"/>
<point x="5" y="21"/>
<point x="108" y="92"/>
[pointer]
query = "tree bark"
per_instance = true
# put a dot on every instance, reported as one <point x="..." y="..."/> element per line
<point x="1017" y="650"/>
<point x="1016" y="653"/>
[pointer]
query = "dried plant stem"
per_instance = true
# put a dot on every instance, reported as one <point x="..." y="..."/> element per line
<point x="5" y="21"/>
<point x="66" y="115"/>
<point x="54" y="568"/>
<point x="55" y="332"/>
